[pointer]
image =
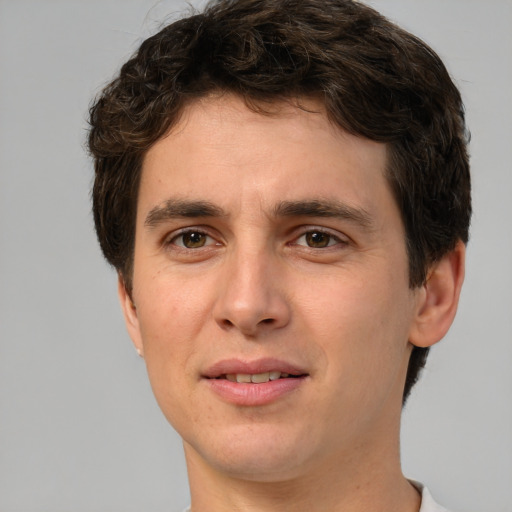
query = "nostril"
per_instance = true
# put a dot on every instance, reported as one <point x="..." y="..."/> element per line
<point x="227" y="323"/>
<point x="267" y="320"/>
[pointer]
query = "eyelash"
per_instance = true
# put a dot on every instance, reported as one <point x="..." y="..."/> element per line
<point x="171" y="241"/>
<point x="331" y="238"/>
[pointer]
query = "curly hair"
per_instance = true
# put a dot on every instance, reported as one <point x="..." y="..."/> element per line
<point x="375" y="80"/>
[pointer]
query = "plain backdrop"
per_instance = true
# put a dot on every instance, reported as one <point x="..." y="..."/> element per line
<point x="79" y="428"/>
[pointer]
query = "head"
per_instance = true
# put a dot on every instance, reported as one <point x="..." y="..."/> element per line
<point x="372" y="79"/>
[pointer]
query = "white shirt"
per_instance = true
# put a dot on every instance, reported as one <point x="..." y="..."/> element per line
<point x="427" y="502"/>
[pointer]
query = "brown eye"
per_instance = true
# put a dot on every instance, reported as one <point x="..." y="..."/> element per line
<point x="191" y="240"/>
<point x="317" y="239"/>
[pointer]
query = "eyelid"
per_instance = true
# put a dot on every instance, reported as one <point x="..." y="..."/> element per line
<point x="169" y="239"/>
<point x="340" y="238"/>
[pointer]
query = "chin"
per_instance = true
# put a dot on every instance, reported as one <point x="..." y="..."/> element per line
<point x="256" y="452"/>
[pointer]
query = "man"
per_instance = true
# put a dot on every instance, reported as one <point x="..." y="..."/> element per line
<point x="283" y="187"/>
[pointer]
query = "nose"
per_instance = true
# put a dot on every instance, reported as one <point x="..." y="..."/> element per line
<point x="252" y="296"/>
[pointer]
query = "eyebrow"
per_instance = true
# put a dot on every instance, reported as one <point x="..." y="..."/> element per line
<point x="181" y="208"/>
<point x="325" y="208"/>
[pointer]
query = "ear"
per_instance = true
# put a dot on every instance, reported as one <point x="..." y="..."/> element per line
<point x="438" y="298"/>
<point x="130" y="315"/>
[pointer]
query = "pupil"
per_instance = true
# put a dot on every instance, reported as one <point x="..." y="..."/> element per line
<point x="317" y="239"/>
<point x="192" y="240"/>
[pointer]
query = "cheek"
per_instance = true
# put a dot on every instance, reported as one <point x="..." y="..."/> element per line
<point x="167" y="325"/>
<point x="171" y="310"/>
<point x="362" y="327"/>
<point x="171" y="316"/>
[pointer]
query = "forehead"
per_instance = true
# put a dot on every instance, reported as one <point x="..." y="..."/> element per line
<point x="220" y="147"/>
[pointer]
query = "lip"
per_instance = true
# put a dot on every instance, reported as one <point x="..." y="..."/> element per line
<point x="245" y="394"/>
<point x="252" y="367"/>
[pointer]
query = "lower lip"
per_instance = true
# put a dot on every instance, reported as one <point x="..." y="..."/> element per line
<point x="254" y="394"/>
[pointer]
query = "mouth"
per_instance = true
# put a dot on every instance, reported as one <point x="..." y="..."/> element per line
<point x="258" y="371"/>
<point x="254" y="383"/>
<point x="258" y="378"/>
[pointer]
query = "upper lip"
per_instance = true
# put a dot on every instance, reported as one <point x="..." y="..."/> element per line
<point x="239" y="366"/>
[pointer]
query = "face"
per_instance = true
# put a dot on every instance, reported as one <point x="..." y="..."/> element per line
<point x="270" y="289"/>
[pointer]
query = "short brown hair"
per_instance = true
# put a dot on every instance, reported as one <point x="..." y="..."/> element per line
<point x="375" y="79"/>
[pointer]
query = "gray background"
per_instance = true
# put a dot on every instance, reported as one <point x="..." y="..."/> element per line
<point x="79" y="428"/>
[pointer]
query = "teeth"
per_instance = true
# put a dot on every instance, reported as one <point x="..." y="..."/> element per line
<point x="256" y="378"/>
<point x="260" y="377"/>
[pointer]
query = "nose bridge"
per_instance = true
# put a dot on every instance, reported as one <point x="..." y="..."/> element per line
<point x="251" y="295"/>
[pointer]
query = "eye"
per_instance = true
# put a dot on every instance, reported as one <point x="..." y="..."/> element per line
<point x="317" y="239"/>
<point x="192" y="239"/>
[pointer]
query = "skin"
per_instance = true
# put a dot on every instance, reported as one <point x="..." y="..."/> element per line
<point x="329" y="295"/>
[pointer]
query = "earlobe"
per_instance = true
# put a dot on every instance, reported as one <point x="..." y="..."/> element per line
<point x="130" y="315"/>
<point x="438" y="299"/>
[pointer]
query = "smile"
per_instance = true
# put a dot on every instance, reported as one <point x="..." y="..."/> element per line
<point x="256" y="378"/>
<point x="255" y="383"/>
